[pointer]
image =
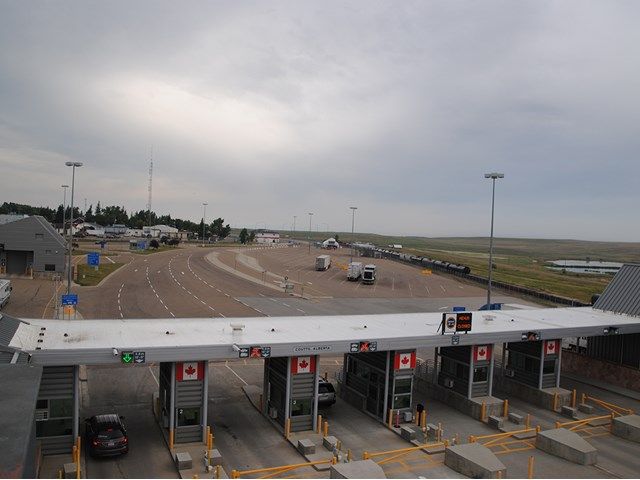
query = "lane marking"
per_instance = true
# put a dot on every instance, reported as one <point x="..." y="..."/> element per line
<point x="154" y="376"/>
<point x="226" y="364"/>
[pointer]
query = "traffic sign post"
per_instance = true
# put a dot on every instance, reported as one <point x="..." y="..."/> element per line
<point x="69" y="302"/>
<point x="93" y="259"/>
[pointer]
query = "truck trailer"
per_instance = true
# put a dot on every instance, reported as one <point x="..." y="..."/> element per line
<point x="369" y="274"/>
<point x="355" y="271"/>
<point x="323" y="262"/>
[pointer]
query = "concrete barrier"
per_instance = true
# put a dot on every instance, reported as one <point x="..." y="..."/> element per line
<point x="567" y="444"/>
<point x="183" y="460"/>
<point x="495" y="421"/>
<point x="306" y="446"/>
<point x="474" y="460"/>
<point x="627" y="427"/>
<point x="357" y="469"/>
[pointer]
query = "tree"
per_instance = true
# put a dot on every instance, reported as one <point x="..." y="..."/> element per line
<point x="243" y="236"/>
<point x="174" y="242"/>
<point x="336" y="237"/>
<point x="252" y="236"/>
<point x="219" y="229"/>
<point x="88" y="215"/>
<point x="154" y="244"/>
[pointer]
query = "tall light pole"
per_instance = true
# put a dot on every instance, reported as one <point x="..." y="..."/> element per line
<point x="493" y="176"/>
<point x="64" y="211"/>
<point x="73" y="166"/>
<point x="353" y="223"/>
<point x="204" y="219"/>
<point x="294" y="224"/>
<point x="310" y="215"/>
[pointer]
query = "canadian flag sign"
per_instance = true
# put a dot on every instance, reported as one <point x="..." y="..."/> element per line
<point x="481" y="353"/>
<point x="551" y="347"/>
<point x="404" y="360"/>
<point x="189" y="371"/>
<point x="303" y="364"/>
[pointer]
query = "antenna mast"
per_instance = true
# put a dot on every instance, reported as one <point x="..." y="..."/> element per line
<point x="150" y="186"/>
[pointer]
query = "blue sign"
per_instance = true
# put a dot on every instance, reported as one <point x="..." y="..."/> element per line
<point x="93" y="259"/>
<point x="459" y="309"/>
<point x="70" y="299"/>
<point x="142" y="245"/>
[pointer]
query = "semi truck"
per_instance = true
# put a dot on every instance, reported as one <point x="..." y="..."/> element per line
<point x="369" y="274"/>
<point x="5" y="292"/>
<point x="355" y="271"/>
<point x="323" y="262"/>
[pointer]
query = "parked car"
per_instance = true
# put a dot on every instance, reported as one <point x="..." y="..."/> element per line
<point x="106" y="435"/>
<point x="326" y="393"/>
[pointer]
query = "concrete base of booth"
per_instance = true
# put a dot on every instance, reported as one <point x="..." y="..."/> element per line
<point x="357" y="469"/>
<point x="469" y="406"/>
<point x="567" y="444"/>
<point x="545" y="398"/>
<point x="627" y="427"/>
<point x="474" y="460"/>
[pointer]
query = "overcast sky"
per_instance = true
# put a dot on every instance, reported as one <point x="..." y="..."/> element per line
<point x="267" y="110"/>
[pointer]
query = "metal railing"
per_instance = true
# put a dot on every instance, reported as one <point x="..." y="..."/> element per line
<point x="575" y="424"/>
<point x="611" y="407"/>
<point x="400" y="452"/>
<point x="492" y="438"/>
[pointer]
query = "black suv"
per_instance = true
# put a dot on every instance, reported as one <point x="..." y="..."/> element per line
<point x="106" y="435"/>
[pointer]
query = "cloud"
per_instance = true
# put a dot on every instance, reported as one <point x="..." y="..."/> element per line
<point x="269" y="110"/>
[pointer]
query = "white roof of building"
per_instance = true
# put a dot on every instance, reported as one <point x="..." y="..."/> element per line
<point x="585" y="264"/>
<point x="91" y="341"/>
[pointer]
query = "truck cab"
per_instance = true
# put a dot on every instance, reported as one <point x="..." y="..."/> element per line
<point x="369" y="274"/>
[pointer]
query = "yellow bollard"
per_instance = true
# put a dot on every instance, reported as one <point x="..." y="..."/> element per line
<point x="538" y="429"/>
<point x="528" y="424"/>
<point x="234" y="474"/>
<point x="339" y="445"/>
<point x="349" y="455"/>
<point x="584" y="398"/>
<point x="217" y="471"/>
<point x="416" y="418"/>
<point x="530" y="467"/>
<point x="78" y="454"/>
<point x="613" y="415"/>
<point x="390" y="418"/>
<point x="365" y="455"/>
<point x="208" y="437"/>
<point x="439" y="432"/>
<point x="424" y="419"/>
<point x="472" y="439"/>
<point x="325" y="429"/>
<point x="195" y="475"/>
<point x="59" y="473"/>
<point x="573" y="398"/>
<point x="74" y="454"/>
<point x="505" y="408"/>
<point x="483" y="411"/>
<point x="171" y="439"/>
<point x="555" y="402"/>
<point x="334" y="460"/>
<point x="319" y="422"/>
<point x="287" y="428"/>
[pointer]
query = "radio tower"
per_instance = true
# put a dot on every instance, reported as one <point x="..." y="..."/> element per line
<point x="150" y="187"/>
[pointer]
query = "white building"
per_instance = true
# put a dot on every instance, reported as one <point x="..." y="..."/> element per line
<point x="267" y="237"/>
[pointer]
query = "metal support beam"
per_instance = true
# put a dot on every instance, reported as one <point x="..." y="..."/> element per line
<point x="491" y="362"/>
<point x="76" y="401"/>
<point x="436" y="354"/>
<point x="205" y="400"/>
<point x="470" y="386"/>
<point x="172" y="411"/>
<point x="541" y="364"/>
<point x="385" y="409"/>
<point x="316" y="378"/>
<point x="287" y="393"/>
<point x="558" y="364"/>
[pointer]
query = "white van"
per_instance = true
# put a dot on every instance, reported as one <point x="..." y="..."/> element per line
<point x="5" y="292"/>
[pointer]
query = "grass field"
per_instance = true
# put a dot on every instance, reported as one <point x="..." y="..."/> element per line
<point x="88" y="276"/>
<point x="518" y="261"/>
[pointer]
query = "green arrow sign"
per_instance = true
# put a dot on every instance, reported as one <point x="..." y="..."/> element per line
<point x="126" y="357"/>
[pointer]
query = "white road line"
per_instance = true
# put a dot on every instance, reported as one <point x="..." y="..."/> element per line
<point x="443" y="289"/>
<point x="154" y="376"/>
<point x="286" y="304"/>
<point x="226" y="364"/>
<point x="300" y="310"/>
<point x="428" y="291"/>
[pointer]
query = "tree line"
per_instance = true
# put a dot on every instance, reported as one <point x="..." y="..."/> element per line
<point x="116" y="215"/>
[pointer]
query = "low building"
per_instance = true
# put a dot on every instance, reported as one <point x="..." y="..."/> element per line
<point x="159" y="231"/>
<point x="267" y="237"/>
<point x="31" y="246"/>
<point x="12" y="217"/>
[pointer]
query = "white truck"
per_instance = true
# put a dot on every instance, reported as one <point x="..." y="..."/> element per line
<point x="5" y="292"/>
<point x="355" y="271"/>
<point x="323" y="262"/>
<point x="369" y="274"/>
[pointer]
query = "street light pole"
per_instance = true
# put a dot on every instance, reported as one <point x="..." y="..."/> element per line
<point x="204" y="219"/>
<point x="64" y="211"/>
<point x="310" y="215"/>
<point x="294" y="224"/>
<point x="353" y="223"/>
<point x="73" y="166"/>
<point x="493" y="176"/>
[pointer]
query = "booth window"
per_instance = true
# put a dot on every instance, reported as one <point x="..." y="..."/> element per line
<point x="402" y="385"/>
<point x="188" y="416"/>
<point x="549" y="366"/>
<point x="300" y="407"/>
<point x="480" y="374"/>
